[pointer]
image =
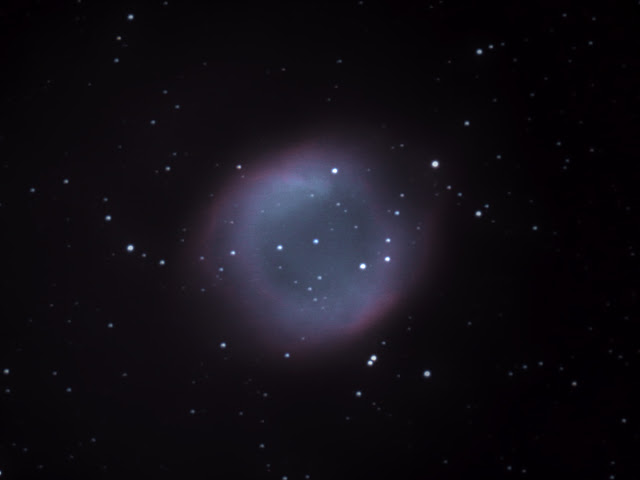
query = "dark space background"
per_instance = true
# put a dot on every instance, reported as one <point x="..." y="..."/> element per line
<point x="111" y="364"/>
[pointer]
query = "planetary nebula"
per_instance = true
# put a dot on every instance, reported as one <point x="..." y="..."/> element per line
<point x="309" y="249"/>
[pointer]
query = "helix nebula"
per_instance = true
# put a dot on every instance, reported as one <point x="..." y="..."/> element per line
<point x="312" y="245"/>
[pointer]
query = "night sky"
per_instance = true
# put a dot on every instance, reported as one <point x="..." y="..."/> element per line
<point x="289" y="241"/>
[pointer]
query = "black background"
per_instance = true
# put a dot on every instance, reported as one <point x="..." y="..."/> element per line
<point x="527" y="318"/>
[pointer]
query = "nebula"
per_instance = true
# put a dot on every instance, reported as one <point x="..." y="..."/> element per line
<point x="308" y="248"/>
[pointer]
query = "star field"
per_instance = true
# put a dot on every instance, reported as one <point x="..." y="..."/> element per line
<point x="309" y="241"/>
